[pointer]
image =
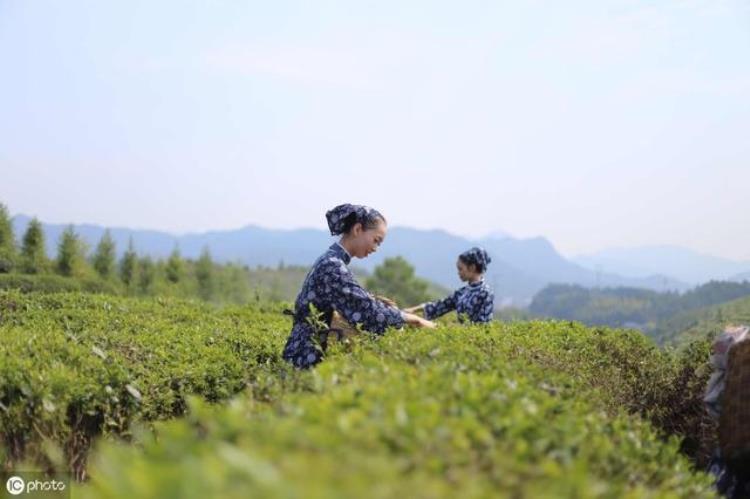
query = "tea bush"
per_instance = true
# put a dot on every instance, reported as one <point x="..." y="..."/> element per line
<point x="527" y="409"/>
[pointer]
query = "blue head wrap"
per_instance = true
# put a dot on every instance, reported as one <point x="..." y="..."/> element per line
<point x="476" y="256"/>
<point x="344" y="216"/>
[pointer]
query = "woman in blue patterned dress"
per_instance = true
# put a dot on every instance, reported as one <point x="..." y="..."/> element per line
<point x="474" y="301"/>
<point x="331" y="286"/>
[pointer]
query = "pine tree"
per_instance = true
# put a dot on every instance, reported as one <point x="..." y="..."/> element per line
<point x="174" y="267"/>
<point x="8" y="252"/>
<point x="71" y="260"/>
<point x="204" y="273"/>
<point x="104" y="257"/>
<point x="128" y="265"/>
<point x="146" y="275"/>
<point x="33" y="252"/>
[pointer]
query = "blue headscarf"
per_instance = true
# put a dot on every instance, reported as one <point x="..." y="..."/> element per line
<point x="476" y="256"/>
<point x="344" y="216"/>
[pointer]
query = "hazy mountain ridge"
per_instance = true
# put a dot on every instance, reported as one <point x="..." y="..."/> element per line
<point x="683" y="264"/>
<point x="745" y="276"/>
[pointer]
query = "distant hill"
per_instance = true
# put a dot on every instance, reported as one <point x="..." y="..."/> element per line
<point x="745" y="276"/>
<point x="663" y="316"/>
<point x="679" y="263"/>
<point x="702" y="322"/>
<point x="520" y="267"/>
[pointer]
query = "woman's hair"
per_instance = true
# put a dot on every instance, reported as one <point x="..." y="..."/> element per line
<point x="477" y="257"/>
<point x="343" y="217"/>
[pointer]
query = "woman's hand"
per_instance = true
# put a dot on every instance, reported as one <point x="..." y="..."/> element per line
<point x="426" y="324"/>
<point x="415" y="309"/>
<point x="417" y="321"/>
<point x="386" y="300"/>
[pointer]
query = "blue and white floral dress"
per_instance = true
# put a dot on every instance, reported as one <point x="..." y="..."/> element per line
<point x="331" y="286"/>
<point x="474" y="301"/>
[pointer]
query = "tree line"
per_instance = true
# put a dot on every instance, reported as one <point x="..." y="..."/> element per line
<point x="620" y="306"/>
<point x="131" y="274"/>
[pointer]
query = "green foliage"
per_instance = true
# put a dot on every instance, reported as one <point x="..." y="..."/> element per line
<point x="704" y="322"/>
<point x="232" y="284"/>
<point x="174" y="268"/>
<point x="7" y="242"/>
<point x="276" y="284"/>
<point x="50" y="283"/>
<point x="648" y="310"/>
<point x="530" y="409"/>
<point x="395" y="278"/>
<point x="204" y="274"/>
<point x="146" y="276"/>
<point x="104" y="257"/>
<point x="226" y="283"/>
<point x="464" y="411"/>
<point x="713" y="293"/>
<point x="512" y="314"/>
<point x="33" y="253"/>
<point x="79" y="365"/>
<point x="129" y="266"/>
<point x="71" y="254"/>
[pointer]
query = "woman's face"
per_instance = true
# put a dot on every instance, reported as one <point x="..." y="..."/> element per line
<point x="366" y="241"/>
<point x="466" y="272"/>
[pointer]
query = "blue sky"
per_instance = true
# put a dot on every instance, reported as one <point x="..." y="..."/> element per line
<point x="593" y="123"/>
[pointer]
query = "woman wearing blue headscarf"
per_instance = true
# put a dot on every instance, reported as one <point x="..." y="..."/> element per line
<point x="474" y="301"/>
<point x="331" y="286"/>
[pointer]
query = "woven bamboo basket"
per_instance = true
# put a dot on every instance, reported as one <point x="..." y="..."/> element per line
<point x="734" y="421"/>
<point x="342" y="330"/>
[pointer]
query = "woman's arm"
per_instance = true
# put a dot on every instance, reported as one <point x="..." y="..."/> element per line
<point x="435" y="309"/>
<point x="355" y="304"/>
<point x="415" y="309"/>
<point x="417" y="321"/>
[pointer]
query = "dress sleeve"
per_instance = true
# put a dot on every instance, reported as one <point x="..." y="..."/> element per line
<point x="357" y="305"/>
<point x="441" y="307"/>
<point x="483" y="307"/>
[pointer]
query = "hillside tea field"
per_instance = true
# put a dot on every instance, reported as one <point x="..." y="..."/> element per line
<point x="168" y="398"/>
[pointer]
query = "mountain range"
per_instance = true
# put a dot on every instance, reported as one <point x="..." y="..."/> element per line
<point x="520" y="267"/>
<point x="679" y="263"/>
